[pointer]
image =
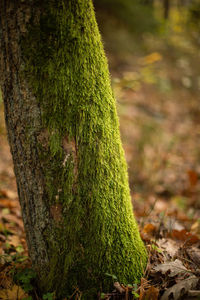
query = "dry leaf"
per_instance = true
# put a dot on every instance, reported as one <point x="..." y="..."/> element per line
<point x="180" y="289"/>
<point x="8" y="203"/>
<point x="15" y="293"/>
<point x="14" y="219"/>
<point x="194" y="294"/>
<point x="173" y="268"/>
<point x="194" y="255"/>
<point x="149" y="228"/>
<point x="170" y="246"/>
<point x="6" y="280"/>
<point x="152" y="293"/>
<point x="185" y="236"/>
<point x="9" y="194"/>
<point x="14" y="240"/>
<point x="2" y="227"/>
<point x="193" y="177"/>
<point x="151" y="58"/>
<point x="195" y="227"/>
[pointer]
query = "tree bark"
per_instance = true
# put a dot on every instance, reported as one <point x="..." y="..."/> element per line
<point x="64" y="137"/>
<point x="166" y="7"/>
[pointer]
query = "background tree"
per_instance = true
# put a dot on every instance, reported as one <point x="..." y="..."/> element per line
<point x="136" y="15"/>
<point x="166" y="8"/>
<point x="64" y="138"/>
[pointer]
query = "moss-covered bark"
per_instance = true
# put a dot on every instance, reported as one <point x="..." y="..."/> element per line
<point x="83" y="200"/>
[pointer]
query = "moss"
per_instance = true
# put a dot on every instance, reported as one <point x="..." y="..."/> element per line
<point x="97" y="233"/>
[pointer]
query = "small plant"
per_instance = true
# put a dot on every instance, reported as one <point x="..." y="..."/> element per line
<point x="48" y="296"/>
<point x="102" y="296"/>
<point x="24" y="278"/>
<point x="13" y="254"/>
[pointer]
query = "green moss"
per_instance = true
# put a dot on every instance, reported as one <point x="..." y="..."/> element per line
<point x="84" y="162"/>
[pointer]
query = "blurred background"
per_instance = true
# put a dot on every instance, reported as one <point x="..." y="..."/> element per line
<point x="153" y="49"/>
<point x="153" y="53"/>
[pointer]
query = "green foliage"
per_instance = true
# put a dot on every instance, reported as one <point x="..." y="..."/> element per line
<point x="24" y="278"/>
<point x="136" y="295"/>
<point x="48" y="296"/>
<point x="155" y="248"/>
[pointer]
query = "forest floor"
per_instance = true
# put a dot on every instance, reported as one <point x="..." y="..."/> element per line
<point x="157" y="87"/>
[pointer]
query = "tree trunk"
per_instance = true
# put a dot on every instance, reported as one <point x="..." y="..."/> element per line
<point x="64" y="137"/>
<point x="166" y="7"/>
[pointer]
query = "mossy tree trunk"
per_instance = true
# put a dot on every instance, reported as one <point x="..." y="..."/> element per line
<point x="64" y="136"/>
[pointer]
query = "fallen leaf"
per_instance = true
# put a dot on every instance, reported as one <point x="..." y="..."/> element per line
<point x="192" y="293"/>
<point x="194" y="255"/>
<point x="149" y="228"/>
<point x="6" y="280"/>
<point x="171" y="247"/>
<point x="9" y="194"/>
<point x="14" y="240"/>
<point x="185" y="236"/>
<point x="12" y="218"/>
<point x="14" y="293"/>
<point x="152" y="293"/>
<point x="2" y="227"/>
<point x="173" y="268"/>
<point x="180" y="289"/>
<point x="196" y="227"/>
<point x="8" y="203"/>
<point x="193" y="177"/>
<point x="172" y="224"/>
<point x="151" y="58"/>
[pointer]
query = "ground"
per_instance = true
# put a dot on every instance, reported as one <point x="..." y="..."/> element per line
<point x="157" y="84"/>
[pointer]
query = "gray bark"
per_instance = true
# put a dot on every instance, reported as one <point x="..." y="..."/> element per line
<point x="24" y="128"/>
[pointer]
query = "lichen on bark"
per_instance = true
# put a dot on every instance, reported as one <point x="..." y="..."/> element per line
<point x="93" y="230"/>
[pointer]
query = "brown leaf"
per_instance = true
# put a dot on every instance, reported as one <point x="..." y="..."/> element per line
<point x="195" y="227"/>
<point x="6" y="280"/>
<point x="8" y="194"/>
<point x="173" y="268"/>
<point x="14" y="240"/>
<point x="194" y="294"/>
<point x="180" y="289"/>
<point x="152" y="293"/>
<point x="185" y="236"/>
<point x="170" y="246"/>
<point x="14" y="219"/>
<point x="14" y="293"/>
<point x="193" y="177"/>
<point x="2" y="227"/>
<point x="149" y="228"/>
<point x="8" y="203"/>
<point x="194" y="255"/>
